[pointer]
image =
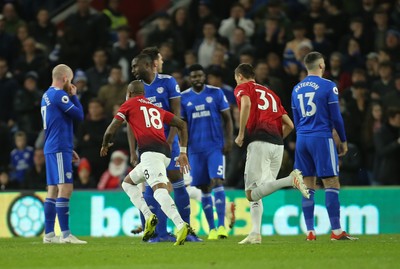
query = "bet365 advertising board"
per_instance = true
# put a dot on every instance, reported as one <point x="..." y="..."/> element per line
<point x="92" y="213"/>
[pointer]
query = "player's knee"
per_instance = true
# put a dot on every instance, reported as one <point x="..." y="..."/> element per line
<point x="248" y="196"/>
<point x="128" y="180"/>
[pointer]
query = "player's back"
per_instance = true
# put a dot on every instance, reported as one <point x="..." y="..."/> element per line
<point x="147" y="123"/>
<point x="203" y="113"/>
<point x="310" y="101"/>
<point x="265" y="120"/>
<point x="58" y="126"/>
<point x="161" y="90"/>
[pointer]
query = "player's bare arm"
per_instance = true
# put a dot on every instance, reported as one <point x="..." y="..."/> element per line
<point x="341" y="146"/>
<point x="183" y="138"/>
<point x="108" y="135"/>
<point x="132" y="147"/>
<point x="75" y="157"/>
<point x="228" y="141"/>
<point x="175" y="104"/>
<point x="243" y="118"/>
<point x="287" y="125"/>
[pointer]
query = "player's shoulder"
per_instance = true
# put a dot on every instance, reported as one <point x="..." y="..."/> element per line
<point x="14" y="151"/>
<point x="186" y="92"/>
<point x="164" y="76"/>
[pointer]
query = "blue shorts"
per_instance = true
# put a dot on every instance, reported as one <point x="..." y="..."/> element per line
<point x="175" y="151"/>
<point x="316" y="156"/>
<point x="206" y="166"/>
<point x="59" y="168"/>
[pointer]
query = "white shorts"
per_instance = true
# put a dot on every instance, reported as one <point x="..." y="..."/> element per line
<point x="263" y="162"/>
<point x="152" y="169"/>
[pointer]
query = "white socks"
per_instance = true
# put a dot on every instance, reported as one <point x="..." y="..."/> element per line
<point x="168" y="206"/>
<point x="136" y="196"/>
<point x="269" y="187"/>
<point x="256" y="212"/>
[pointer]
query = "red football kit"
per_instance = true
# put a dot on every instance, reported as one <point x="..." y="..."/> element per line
<point x="147" y="122"/>
<point x="265" y="119"/>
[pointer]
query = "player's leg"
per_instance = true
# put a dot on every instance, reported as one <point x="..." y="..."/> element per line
<point x="50" y="202"/>
<point x="193" y="192"/>
<point x="304" y="161"/>
<point x="216" y="170"/>
<point x="65" y="188"/>
<point x="328" y="170"/>
<point x="252" y="178"/>
<point x="272" y="164"/>
<point x="181" y="195"/>
<point x="154" y="165"/>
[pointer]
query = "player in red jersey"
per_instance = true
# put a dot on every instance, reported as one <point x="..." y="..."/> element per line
<point x="267" y="124"/>
<point x="146" y="121"/>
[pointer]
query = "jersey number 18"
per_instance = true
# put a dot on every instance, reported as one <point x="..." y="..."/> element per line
<point x="152" y="117"/>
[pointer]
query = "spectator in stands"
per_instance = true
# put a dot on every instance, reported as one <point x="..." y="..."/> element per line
<point x="371" y="125"/>
<point x="271" y="38"/>
<point x="239" y="42"/>
<point x="5" y="184"/>
<point x="353" y="57"/>
<point x="387" y="146"/>
<point x="42" y="30"/>
<point x="236" y="19"/>
<point x="165" y="33"/>
<point x="123" y="51"/>
<point x="201" y="14"/>
<point x="190" y="59"/>
<point x="178" y="76"/>
<point x="246" y="57"/>
<point x="215" y="78"/>
<point x="89" y="33"/>
<point x="395" y="14"/>
<point x="22" y="34"/>
<point x="85" y="179"/>
<point x="385" y="83"/>
<point x="392" y="44"/>
<point x="170" y="64"/>
<point x="275" y="66"/>
<point x="12" y="20"/>
<point x="5" y="143"/>
<point x="182" y="25"/>
<point x="360" y="32"/>
<point x="320" y="42"/>
<point x="21" y="159"/>
<point x="381" y="19"/>
<point x="26" y="106"/>
<point x="372" y="66"/>
<point x="31" y="59"/>
<point x="8" y="88"/>
<point x="114" y="92"/>
<point x="114" y="18"/>
<point x="35" y="177"/>
<point x="274" y="8"/>
<point x="83" y="93"/>
<point x="392" y="98"/>
<point x="117" y="170"/>
<point x="97" y="75"/>
<point x="314" y="14"/>
<point x="90" y="135"/>
<point x="336" y="21"/>
<point x="336" y="73"/>
<point x="7" y="41"/>
<point x="299" y="33"/>
<point x="205" y="47"/>
<point x="218" y="60"/>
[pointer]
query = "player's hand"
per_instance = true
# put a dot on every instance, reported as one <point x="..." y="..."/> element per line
<point x="239" y="140"/>
<point x="134" y="159"/>
<point x="104" y="149"/>
<point x="183" y="162"/>
<point x="75" y="157"/>
<point x="342" y="149"/>
<point x="72" y="89"/>
<point x="227" y="146"/>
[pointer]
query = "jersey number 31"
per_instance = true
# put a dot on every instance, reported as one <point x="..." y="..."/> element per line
<point x="264" y="99"/>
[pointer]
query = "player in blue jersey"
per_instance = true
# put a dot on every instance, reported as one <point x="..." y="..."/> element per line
<point x="316" y="113"/>
<point x="59" y="108"/>
<point x="202" y="107"/>
<point x="163" y="91"/>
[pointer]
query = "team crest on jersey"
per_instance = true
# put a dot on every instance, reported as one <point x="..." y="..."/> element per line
<point x="177" y="89"/>
<point x="160" y="90"/>
<point x="189" y="104"/>
<point x="65" y="99"/>
<point x="209" y="99"/>
<point x="68" y="175"/>
<point x="335" y="90"/>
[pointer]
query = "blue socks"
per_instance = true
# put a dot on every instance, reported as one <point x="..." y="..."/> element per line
<point x="219" y="194"/>
<point x="161" y="228"/>
<point x="333" y="207"/>
<point x="206" y="201"/>
<point x="308" y="210"/>
<point x="182" y="200"/>
<point x="62" y="209"/>
<point x="49" y="215"/>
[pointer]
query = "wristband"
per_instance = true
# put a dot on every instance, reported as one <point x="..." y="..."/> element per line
<point x="183" y="149"/>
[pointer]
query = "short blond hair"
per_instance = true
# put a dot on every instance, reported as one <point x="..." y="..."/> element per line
<point x="60" y="71"/>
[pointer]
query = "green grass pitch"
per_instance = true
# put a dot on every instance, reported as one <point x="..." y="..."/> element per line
<point x="380" y="251"/>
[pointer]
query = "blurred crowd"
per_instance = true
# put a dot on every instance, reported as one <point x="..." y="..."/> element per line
<point x="360" y="40"/>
